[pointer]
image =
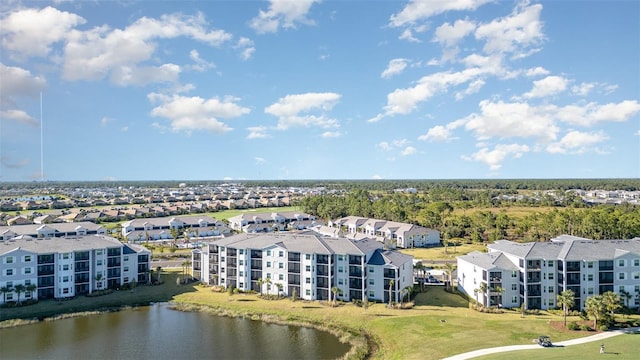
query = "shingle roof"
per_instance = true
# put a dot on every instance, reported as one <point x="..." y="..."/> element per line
<point x="62" y="244"/>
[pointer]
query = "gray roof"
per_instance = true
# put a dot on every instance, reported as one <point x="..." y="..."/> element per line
<point x="62" y="244"/>
<point x="489" y="261"/>
<point x="32" y="229"/>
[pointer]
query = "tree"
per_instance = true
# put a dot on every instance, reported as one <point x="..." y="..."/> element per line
<point x="566" y="300"/>
<point x="391" y="284"/>
<point x="294" y="295"/>
<point x="419" y="268"/>
<point x="627" y="296"/>
<point x="268" y="282"/>
<point x="175" y="234"/>
<point x="612" y="302"/>
<point x="260" y="282"/>
<point x="594" y="307"/>
<point x="30" y="289"/>
<point x="98" y="279"/>
<point x="449" y="268"/>
<point x="483" y="291"/>
<point x="279" y="286"/>
<point x="5" y="290"/>
<point x="408" y="290"/>
<point x="19" y="289"/>
<point x="335" y="290"/>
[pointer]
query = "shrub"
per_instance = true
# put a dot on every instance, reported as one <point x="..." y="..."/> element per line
<point x="573" y="326"/>
<point x="585" y="327"/>
<point x="603" y="328"/>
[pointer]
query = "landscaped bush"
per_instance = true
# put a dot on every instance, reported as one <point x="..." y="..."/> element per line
<point x="573" y="326"/>
<point x="100" y="293"/>
<point x="603" y="328"/>
<point x="585" y="327"/>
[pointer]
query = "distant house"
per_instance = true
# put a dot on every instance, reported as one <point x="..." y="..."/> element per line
<point x="19" y="220"/>
<point x="395" y="233"/>
<point x="267" y="222"/>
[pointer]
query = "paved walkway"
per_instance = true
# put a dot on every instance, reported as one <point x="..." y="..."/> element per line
<point x="596" y="337"/>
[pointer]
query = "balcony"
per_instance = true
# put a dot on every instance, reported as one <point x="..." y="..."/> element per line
<point x="355" y="271"/>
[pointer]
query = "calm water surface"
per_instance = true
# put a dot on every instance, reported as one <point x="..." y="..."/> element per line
<point x="157" y="332"/>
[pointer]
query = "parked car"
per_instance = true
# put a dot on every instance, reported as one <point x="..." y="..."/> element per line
<point x="544" y="341"/>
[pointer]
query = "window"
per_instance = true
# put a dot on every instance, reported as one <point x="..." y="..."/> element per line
<point x="372" y="294"/>
<point x="550" y="289"/>
<point x="65" y="290"/>
<point x="27" y="282"/>
<point x="27" y="258"/>
<point x="550" y="263"/>
<point x="550" y="302"/>
<point x="590" y="291"/>
<point x="636" y="262"/>
<point x="8" y="272"/>
<point x="98" y="252"/>
<point x="240" y="262"/>
<point x="241" y="285"/>
<point x="550" y="276"/>
<point x="514" y="274"/>
<point x="371" y="270"/>
<point x="280" y="265"/>
<point x="308" y="292"/>
<point x="9" y="260"/>
<point x="65" y="255"/>
<point x="621" y="263"/>
<point x="65" y="279"/>
<point x="371" y="282"/>
<point x="307" y="268"/>
<point x="340" y="258"/>
<point x="268" y="264"/>
<point x="268" y="275"/>
<point x="590" y="264"/>
<point x="27" y="270"/>
<point x="240" y="273"/>
<point x="280" y="277"/>
<point x="514" y="299"/>
<point x="621" y="288"/>
<point x="241" y="253"/>
<point x="9" y="296"/>
<point x="307" y="280"/>
<point x="307" y="256"/>
<point x="126" y="258"/>
<point x="280" y="253"/>
<point x="621" y="276"/>
<point x="222" y="270"/>
<point x="514" y="287"/>
<point x="340" y="269"/>
<point x="99" y="262"/>
<point x="340" y="282"/>
<point x="126" y="268"/>
<point x="65" y="267"/>
<point x="590" y="277"/>
<point x="636" y="275"/>
<point x="268" y="252"/>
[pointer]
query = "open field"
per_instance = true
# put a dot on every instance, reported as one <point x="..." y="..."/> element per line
<point x="620" y="347"/>
<point x="515" y="212"/>
<point x="438" y="252"/>
<point x="432" y="329"/>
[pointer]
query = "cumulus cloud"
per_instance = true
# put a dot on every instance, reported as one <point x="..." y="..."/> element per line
<point x="441" y="133"/>
<point x="409" y="150"/>
<point x="196" y="113"/>
<point x="100" y="51"/>
<point x="257" y="132"/>
<point x="246" y="48"/>
<point x="400" y="146"/>
<point x="200" y="63"/>
<point x="536" y="71"/>
<point x="294" y="110"/>
<point x="395" y="67"/>
<point x="577" y="142"/>
<point x="18" y="82"/>
<point x="519" y="33"/>
<point x="449" y="35"/>
<point x="105" y="120"/>
<point x="583" y="89"/>
<point x="19" y="116"/>
<point x="548" y="86"/>
<point x="418" y="10"/>
<point x="407" y="35"/>
<point x="331" y="134"/>
<point x="592" y="113"/>
<point x="282" y="14"/>
<point x="494" y="158"/>
<point x="31" y="32"/>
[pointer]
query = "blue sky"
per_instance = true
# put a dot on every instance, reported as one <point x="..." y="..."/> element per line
<point x="213" y="90"/>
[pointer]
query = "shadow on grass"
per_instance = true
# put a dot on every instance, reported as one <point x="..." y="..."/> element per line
<point x="138" y="296"/>
<point x="246" y="300"/>
<point x="312" y="307"/>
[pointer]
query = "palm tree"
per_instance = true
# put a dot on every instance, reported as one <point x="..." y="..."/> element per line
<point x="449" y="268"/>
<point x="30" y="289"/>
<point x="98" y="279"/>
<point x="260" y="282"/>
<point x="483" y="289"/>
<point x="595" y="308"/>
<point x="499" y="290"/>
<point x="566" y="300"/>
<point x="627" y="296"/>
<point x="5" y="290"/>
<point x="268" y="282"/>
<point x="19" y="289"/>
<point x="279" y="286"/>
<point x="335" y="290"/>
<point x="612" y="302"/>
<point x="149" y="275"/>
<point x="391" y="283"/>
<point x="408" y="290"/>
<point x="419" y="267"/>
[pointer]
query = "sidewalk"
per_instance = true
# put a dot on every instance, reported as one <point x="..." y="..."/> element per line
<point x="586" y="339"/>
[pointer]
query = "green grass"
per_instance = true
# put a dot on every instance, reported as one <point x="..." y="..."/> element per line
<point x="438" y="253"/>
<point x="618" y="347"/>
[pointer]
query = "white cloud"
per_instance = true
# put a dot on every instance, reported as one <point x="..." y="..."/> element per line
<point x="105" y="120"/>
<point x="417" y="10"/>
<point x="592" y="113"/>
<point x="195" y="113"/>
<point x="583" y="89"/>
<point x="441" y="133"/>
<point x="259" y="160"/>
<point x="395" y="67"/>
<point x="124" y="129"/>
<point x="384" y="146"/>
<point x="473" y="88"/>
<point x="282" y="13"/>
<point x="519" y="33"/>
<point x="548" y="86"/>
<point x="376" y="177"/>
<point x="257" y="132"/>
<point x="19" y="116"/>
<point x="292" y="110"/>
<point x="576" y="142"/>
<point x="18" y="82"/>
<point x="100" y="51"/>
<point x="31" y="32"/>
<point x="494" y="158"/>
<point x="518" y="119"/>
<point x="331" y="134"/>
<point x="246" y="47"/>
<point x="450" y="35"/>
<point x="409" y="150"/>
<point x="407" y="34"/>
<point x="536" y="71"/>
<point x="200" y="63"/>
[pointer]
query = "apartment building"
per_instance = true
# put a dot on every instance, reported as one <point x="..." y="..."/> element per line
<point x="51" y="230"/>
<point x="159" y="228"/>
<point x="305" y="263"/>
<point x="268" y="222"/>
<point x="393" y="233"/>
<point x="534" y="273"/>
<point x="68" y="266"/>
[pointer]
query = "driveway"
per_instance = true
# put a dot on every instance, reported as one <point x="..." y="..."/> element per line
<point x="596" y="337"/>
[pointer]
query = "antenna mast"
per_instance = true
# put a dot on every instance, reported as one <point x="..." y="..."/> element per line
<point x="41" y="143"/>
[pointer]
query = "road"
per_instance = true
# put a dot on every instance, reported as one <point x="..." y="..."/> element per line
<point x="596" y="337"/>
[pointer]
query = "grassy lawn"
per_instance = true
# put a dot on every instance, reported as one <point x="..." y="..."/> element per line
<point x="513" y="211"/>
<point x="619" y="347"/>
<point x="437" y="253"/>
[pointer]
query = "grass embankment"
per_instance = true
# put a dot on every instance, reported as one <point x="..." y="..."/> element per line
<point x="440" y="325"/>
